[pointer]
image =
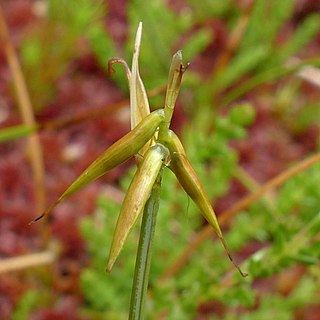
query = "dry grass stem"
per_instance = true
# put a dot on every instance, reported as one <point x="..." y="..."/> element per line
<point x="26" y="261"/>
<point x="34" y="146"/>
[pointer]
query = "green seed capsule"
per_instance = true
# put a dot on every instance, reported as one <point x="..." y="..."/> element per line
<point x="187" y="177"/>
<point x="118" y="153"/>
<point x="190" y="182"/>
<point x="136" y="198"/>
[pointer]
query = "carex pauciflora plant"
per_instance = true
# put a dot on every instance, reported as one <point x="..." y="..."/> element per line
<point x="155" y="146"/>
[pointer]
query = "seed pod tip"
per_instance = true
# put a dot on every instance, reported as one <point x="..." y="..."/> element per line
<point x="225" y="246"/>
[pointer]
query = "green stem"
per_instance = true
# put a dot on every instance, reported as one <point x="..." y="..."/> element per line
<point x="143" y="261"/>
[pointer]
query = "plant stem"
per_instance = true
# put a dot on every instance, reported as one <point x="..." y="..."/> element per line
<point x="144" y="254"/>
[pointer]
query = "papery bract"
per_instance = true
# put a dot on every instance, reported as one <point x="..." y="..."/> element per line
<point x="139" y="104"/>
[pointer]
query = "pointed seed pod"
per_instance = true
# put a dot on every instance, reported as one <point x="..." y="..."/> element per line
<point x="119" y="152"/>
<point x="189" y="180"/>
<point x="136" y="197"/>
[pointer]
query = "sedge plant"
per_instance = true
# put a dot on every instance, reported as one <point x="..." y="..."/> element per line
<point x="155" y="147"/>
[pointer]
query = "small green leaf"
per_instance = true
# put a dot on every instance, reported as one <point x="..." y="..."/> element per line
<point x="15" y="132"/>
<point x="242" y="114"/>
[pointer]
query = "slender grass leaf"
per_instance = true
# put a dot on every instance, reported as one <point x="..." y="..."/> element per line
<point x="15" y="132"/>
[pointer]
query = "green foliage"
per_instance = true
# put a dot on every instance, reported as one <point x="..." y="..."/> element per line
<point x="309" y="114"/>
<point x="51" y="45"/>
<point x="160" y="41"/>
<point x="15" y="132"/>
<point x="26" y="305"/>
<point x="259" y="50"/>
<point x="244" y="62"/>
<point x="158" y="44"/>
<point x="243" y="114"/>
<point x="106" y="294"/>
<point x="275" y="305"/>
<point x="304" y="33"/>
<point x="289" y="237"/>
<point x="161" y="38"/>
<point x="267" y="76"/>
<point x="46" y="58"/>
<point x="210" y="8"/>
<point x="265" y="21"/>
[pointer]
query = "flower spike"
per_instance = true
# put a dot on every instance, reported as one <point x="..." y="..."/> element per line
<point x="157" y="146"/>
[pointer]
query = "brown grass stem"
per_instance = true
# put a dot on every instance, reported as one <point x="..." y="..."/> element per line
<point x="26" y="110"/>
<point x="26" y="261"/>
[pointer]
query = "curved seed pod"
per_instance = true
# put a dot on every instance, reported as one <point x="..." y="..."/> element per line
<point x="136" y="198"/>
<point x="187" y="177"/>
<point x="120" y="151"/>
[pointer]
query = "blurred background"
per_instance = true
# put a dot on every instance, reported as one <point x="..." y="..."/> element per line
<point x="248" y="111"/>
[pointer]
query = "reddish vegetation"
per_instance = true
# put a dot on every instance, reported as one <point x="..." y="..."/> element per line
<point x="268" y="150"/>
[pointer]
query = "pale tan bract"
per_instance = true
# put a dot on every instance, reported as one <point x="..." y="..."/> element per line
<point x="139" y="104"/>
